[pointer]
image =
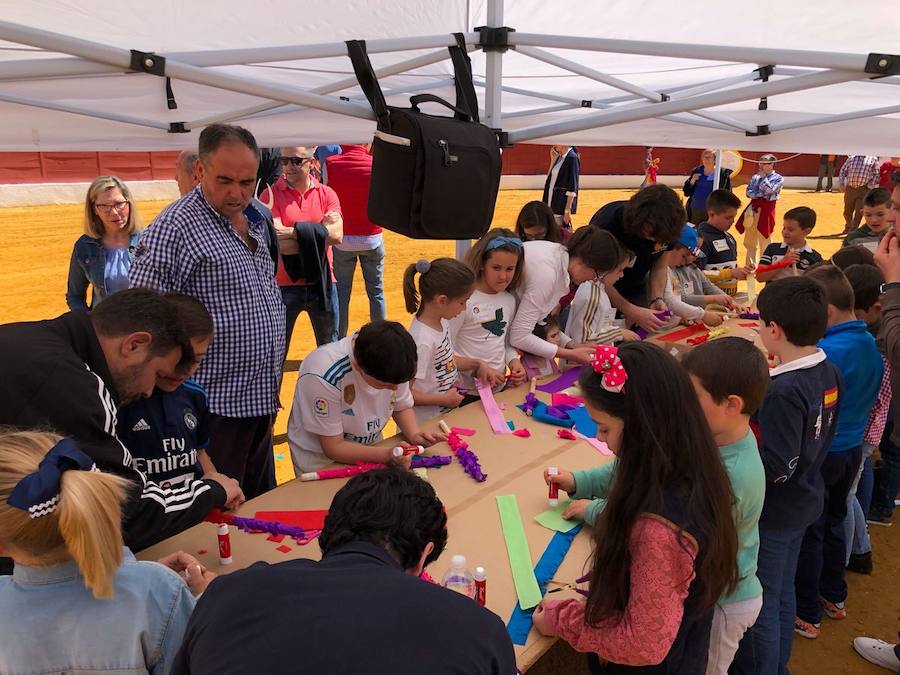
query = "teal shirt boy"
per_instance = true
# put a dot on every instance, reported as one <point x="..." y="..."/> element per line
<point x="748" y="482"/>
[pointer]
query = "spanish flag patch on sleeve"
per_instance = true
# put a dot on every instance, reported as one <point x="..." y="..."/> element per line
<point x="831" y="397"/>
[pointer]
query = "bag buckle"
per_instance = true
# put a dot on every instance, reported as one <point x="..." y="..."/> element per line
<point x="448" y="157"/>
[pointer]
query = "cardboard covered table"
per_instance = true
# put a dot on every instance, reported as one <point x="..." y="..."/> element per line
<point x="513" y="466"/>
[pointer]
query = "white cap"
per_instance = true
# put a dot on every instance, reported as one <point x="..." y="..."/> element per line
<point x="223" y="528"/>
<point x="480" y="574"/>
<point x="553" y="471"/>
<point x="458" y="561"/>
<point x="397" y="452"/>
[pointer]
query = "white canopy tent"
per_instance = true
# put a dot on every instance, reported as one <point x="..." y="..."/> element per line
<point x="612" y="72"/>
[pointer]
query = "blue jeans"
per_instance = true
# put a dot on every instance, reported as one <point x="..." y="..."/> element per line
<point x="856" y="535"/>
<point x="765" y="648"/>
<point x="372" y="264"/>
<point x="298" y="299"/>
<point x="823" y="556"/>
<point x="888" y="481"/>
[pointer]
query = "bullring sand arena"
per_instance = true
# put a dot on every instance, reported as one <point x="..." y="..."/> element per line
<point x="36" y="244"/>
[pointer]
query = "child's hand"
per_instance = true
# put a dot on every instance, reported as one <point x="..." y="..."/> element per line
<point x="726" y="301"/>
<point x="563" y="479"/>
<point x="576" y="509"/>
<point x="197" y="578"/>
<point x="516" y="372"/>
<point x="712" y="318"/>
<point x="488" y="375"/>
<point x="791" y="256"/>
<point x="427" y="438"/>
<point x="582" y="355"/>
<point x="451" y="398"/>
<point x="740" y="273"/>
<point x="539" y="618"/>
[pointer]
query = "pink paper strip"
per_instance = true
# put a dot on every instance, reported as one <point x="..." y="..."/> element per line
<point x="560" y="398"/>
<point x="601" y="447"/>
<point x="564" y="381"/>
<point x="463" y="431"/>
<point x="522" y="433"/>
<point x="491" y="409"/>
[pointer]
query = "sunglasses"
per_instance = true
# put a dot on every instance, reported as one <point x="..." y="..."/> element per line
<point x="294" y="161"/>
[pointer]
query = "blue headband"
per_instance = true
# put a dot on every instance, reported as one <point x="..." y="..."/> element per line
<point x="38" y="492"/>
<point x="497" y="242"/>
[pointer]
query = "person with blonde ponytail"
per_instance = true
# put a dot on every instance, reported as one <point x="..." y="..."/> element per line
<point x="78" y="600"/>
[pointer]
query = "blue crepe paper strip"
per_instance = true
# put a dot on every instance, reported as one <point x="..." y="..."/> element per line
<point x="583" y="422"/>
<point x="520" y="622"/>
<point x="539" y="413"/>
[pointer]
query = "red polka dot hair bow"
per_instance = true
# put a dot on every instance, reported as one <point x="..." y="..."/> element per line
<point x="608" y="365"/>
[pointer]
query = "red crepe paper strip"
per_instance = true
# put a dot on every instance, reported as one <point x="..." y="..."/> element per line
<point x="698" y="340"/>
<point x="780" y="265"/>
<point x="202" y="551"/>
<point x="277" y="538"/>
<point x="463" y="431"/>
<point x="677" y="335"/>
<point x="522" y="433"/>
<point x="748" y="325"/>
<point x="284" y="549"/>
<point x="565" y="433"/>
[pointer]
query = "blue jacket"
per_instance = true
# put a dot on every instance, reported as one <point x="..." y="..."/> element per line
<point x="88" y="268"/>
<point x="852" y="349"/>
<point x="52" y="623"/>
<point x="797" y="421"/>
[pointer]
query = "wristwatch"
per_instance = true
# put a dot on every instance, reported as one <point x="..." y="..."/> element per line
<point x="888" y="286"/>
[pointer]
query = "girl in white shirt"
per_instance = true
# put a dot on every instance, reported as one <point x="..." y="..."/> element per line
<point x="480" y="331"/>
<point x="592" y="316"/>
<point x="445" y="285"/>
<point x="549" y="269"/>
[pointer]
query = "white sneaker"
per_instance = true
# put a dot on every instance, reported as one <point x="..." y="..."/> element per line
<point x="879" y="652"/>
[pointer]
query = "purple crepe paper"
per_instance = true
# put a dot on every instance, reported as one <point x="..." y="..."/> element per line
<point x="662" y="316"/>
<point x="749" y="315"/>
<point x="530" y="403"/>
<point x="428" y="462"/>
<point x="560" y="411"/>
<point x="564" y="381"/>
<point x="270" y="526"/>
<point x="467" y="458"/>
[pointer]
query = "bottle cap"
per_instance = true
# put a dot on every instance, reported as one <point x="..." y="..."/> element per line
<point x="223" y="528"/>
<point x="480" y="574"/>
<point x="397" y="452"/>
<point x="552" y="470"/>
<point x="458" y="561"/>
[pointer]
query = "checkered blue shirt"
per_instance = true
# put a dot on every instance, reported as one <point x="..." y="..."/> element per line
<point x="190" y="248"/>
<point x="859" y="171"/>
<point x="767" y="187"/>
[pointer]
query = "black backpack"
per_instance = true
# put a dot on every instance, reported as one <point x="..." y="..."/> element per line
<point x="433" y="177"/>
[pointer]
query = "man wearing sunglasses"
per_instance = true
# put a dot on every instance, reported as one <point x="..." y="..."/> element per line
<point x="308" y="222"/>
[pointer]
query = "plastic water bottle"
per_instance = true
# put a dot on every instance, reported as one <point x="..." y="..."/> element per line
<point x="458" y="578"/>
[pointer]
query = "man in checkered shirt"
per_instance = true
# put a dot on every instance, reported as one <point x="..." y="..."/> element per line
<point x="215" y="244"/>
<point x="858" y="175"/>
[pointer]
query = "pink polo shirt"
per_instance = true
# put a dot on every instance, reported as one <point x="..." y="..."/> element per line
<point x="293" y="207"/>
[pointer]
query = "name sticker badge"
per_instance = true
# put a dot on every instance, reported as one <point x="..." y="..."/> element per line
<point x="721" y="245"/>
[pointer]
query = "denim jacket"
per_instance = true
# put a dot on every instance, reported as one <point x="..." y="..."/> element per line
<point x="51" y="623"/>
<point x="88" y="268"/>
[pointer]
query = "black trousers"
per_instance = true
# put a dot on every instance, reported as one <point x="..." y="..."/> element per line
<point x="241" y="447"/>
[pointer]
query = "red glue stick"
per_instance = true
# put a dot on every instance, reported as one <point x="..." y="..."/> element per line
<point x="480" y="585"/>
<point x="224" y="545"/>
<point x="553" y="499"/>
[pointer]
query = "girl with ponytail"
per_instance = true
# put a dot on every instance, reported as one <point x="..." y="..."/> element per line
<point x="77" y="600"/>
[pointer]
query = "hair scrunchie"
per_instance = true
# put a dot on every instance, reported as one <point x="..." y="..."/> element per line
<point x="38" y="492"/>
<point x="422" y="266"/>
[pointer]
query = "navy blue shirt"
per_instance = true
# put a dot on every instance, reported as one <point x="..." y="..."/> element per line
<point x="719" y="248"/>
<point x="165" y="432"/>
<point x="797" y="422"/>
<point x="806" y="256"/>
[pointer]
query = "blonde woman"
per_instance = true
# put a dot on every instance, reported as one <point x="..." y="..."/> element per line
<point x="78" y="601"/>
<point x="102" y="256"/>
<point x="699" y="185"/>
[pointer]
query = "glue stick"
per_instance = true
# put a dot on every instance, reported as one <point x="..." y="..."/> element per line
<point x="553" y="499"/>
<point x="224" y="545"/>
<point x="480" y="585"/>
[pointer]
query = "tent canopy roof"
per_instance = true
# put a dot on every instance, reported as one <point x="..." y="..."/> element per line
<point x="65" y="82"/>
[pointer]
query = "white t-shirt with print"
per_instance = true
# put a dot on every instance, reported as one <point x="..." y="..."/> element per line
<point x="480" y="332"/>
<point x="332" y="398"/>
<point x="436" y="370"/>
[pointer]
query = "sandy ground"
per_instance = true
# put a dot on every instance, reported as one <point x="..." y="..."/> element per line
<point x="36" y="243"/>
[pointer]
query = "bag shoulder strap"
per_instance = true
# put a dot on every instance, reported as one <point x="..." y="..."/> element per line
<point x="365" y="74"/>
<point x="462" y="77"/>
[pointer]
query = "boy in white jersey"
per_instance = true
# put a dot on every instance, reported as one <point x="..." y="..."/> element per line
<point x="345" y="394"/>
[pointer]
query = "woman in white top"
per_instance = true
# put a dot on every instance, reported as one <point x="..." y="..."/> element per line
<point x="481" y="330"/>
<point x="445" y="285"/>
<point x="549" y="269"/>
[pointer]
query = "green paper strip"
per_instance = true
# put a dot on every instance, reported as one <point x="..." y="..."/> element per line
<point x="519" y="554"/>
<point x="552" y="519"/>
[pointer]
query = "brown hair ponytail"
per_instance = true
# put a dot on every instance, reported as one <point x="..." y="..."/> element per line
<point x="441" y="276"/>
